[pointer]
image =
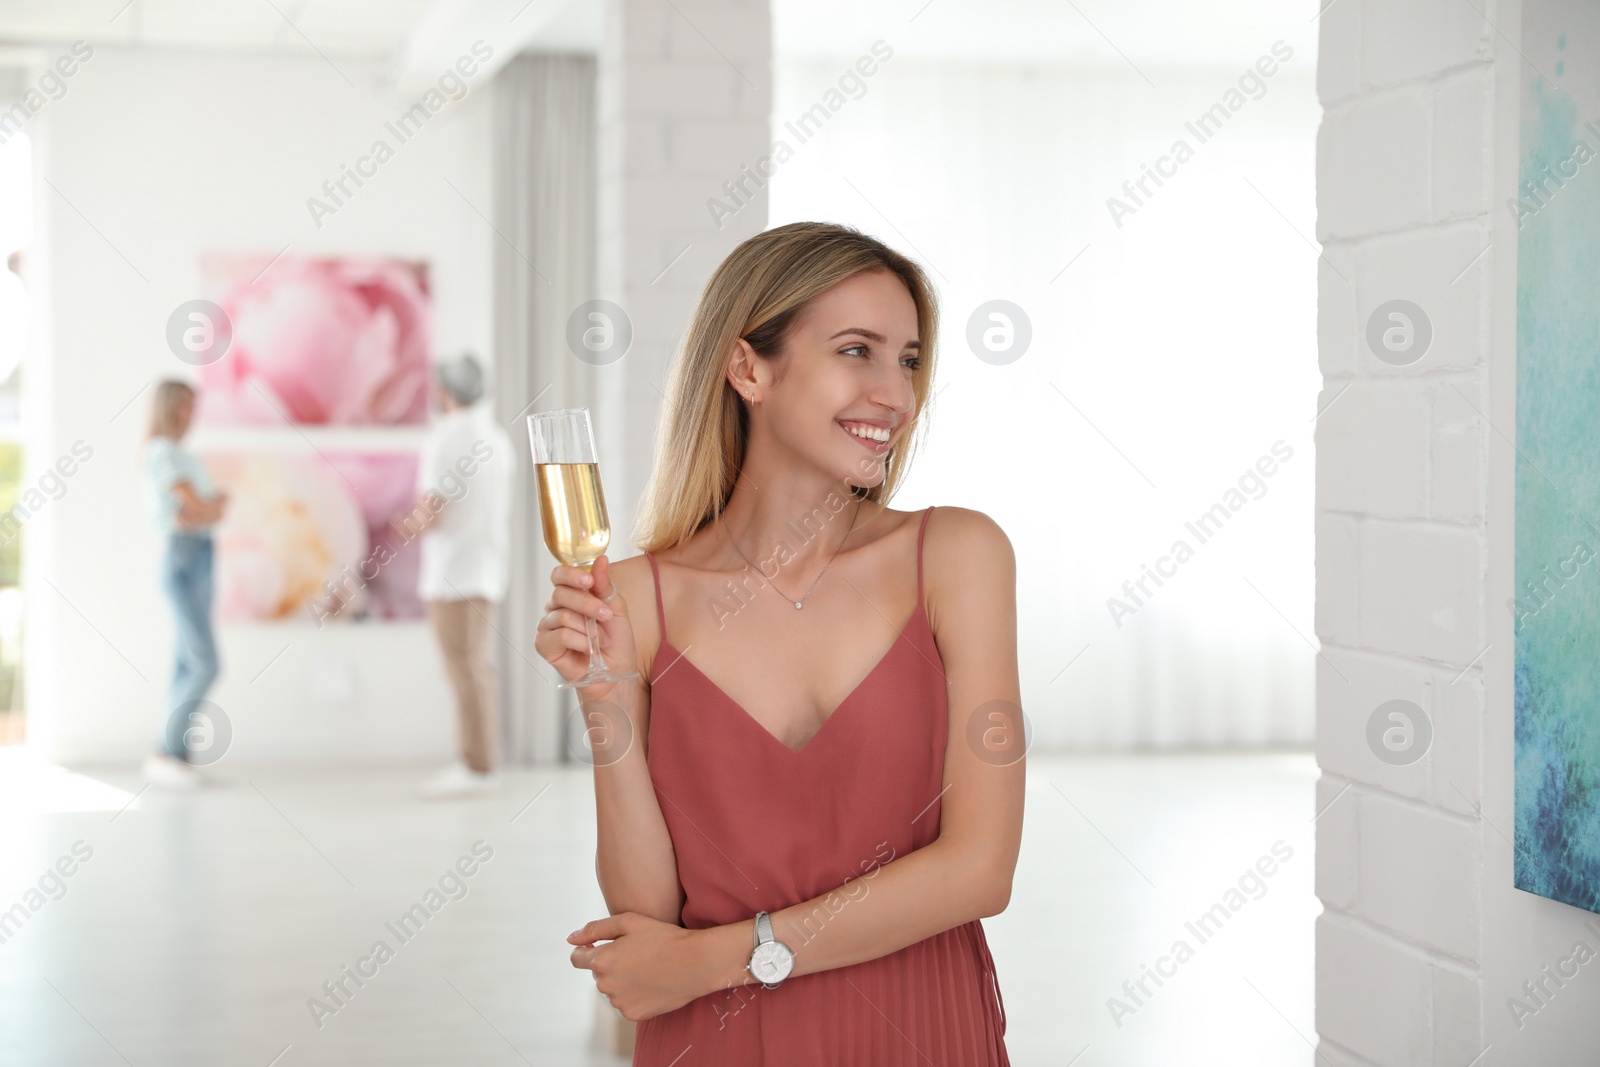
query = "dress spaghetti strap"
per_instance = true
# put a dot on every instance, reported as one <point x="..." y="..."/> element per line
<point x="922" y="529"/>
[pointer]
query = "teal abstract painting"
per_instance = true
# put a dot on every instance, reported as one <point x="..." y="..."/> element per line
<point x="1556" y="607"/>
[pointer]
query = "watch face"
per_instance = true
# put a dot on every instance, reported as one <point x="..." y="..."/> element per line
<point x="771" y="961"/>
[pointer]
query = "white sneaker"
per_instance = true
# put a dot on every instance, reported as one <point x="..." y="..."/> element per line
<point x="458" y="780"/>
<point x="171" y="773"/>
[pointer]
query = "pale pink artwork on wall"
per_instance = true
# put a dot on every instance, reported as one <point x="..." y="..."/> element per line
<point x="318" y="341"/>
<point x="310" y="537"/>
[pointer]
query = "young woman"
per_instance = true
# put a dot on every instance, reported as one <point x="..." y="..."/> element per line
<point x="186" y="506"/>
<point x="801" y="826"/>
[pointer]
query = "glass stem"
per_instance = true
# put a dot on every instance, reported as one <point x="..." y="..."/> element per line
<point x="597" y="663"/>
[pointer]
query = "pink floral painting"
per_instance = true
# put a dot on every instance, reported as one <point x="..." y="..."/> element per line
<point x="310" y="537"/>
<point x="326" y="341"/>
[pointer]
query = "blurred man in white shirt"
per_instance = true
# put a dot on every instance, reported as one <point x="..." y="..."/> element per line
<point x="464" y="482"/>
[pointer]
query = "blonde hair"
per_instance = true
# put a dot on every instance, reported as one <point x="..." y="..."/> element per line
<point x="164" y="407"/>
<point x="756" y="294"/>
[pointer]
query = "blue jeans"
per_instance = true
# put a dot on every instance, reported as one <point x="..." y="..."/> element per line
<point x="186" y="578"/>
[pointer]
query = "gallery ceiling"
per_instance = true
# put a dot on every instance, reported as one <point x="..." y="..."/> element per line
<point x="415" y="37"/>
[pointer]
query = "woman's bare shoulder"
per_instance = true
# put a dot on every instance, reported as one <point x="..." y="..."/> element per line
<point x="633" y="580"/>
<point x="965" y="527"/>
<point x="968" y="567"/>
<point x="961" y="544"/>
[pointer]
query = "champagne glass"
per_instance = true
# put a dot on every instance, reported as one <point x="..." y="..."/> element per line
<point x="572" y="507"/>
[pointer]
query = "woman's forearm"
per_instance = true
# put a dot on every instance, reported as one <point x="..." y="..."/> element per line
<point x="201" y="513"/>
<point x="193" y="509"/>
<point x="900" y="903"/>
<point x="634" y="860"/>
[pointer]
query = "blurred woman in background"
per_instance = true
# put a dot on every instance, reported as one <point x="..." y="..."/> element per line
<point x="187" y="505"/>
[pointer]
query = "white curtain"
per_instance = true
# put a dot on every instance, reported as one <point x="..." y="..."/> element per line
<point x="1166" y="360"/>
<point x="544" y="266"/>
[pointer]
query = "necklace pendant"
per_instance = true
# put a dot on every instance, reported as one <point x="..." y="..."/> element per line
<point x="798" y="605"/>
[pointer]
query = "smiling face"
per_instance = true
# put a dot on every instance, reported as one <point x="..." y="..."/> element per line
<point x="842" y="394"/>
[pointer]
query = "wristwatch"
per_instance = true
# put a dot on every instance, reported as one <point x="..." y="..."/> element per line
<point x="771" y="961"/>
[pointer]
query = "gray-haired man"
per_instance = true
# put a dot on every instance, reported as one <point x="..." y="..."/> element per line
<point x="464" y="482"/>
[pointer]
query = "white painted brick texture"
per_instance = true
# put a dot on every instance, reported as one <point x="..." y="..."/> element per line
<point x="1402" y="452"/>
<point x="683" y="99"/>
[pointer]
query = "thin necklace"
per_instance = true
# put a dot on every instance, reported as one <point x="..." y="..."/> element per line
<point x="798" y="604"/>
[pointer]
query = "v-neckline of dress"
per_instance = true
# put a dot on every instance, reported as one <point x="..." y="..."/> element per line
<point x="680" y="658"/>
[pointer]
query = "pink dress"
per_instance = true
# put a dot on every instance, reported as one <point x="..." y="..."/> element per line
<point x="758" y="826"/>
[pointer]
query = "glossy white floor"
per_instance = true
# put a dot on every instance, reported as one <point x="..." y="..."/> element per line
<point x="199" y="926"/>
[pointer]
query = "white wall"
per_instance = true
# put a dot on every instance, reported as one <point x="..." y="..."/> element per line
<point x="152" y="157"/>
<point x="1423" y="938"/>
<point x="1171" y="354"/>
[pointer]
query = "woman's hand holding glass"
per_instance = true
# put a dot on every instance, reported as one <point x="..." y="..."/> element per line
<point x="562" y="639"/>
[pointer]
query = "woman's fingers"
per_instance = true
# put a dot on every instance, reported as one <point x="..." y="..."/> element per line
<point x="558" y="618"/>
<point x="569" y="622"/>
<point x="581" y="602"/>
<point x="601" y="572"/>
<point x="578" y="596"/>
<point x="576" y="577"/>
<point x="556" y="645"/>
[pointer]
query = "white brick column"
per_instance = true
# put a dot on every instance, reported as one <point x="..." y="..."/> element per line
<point x="684" y="101"/>
<point x="1404" y="213"/>
<point x="1423" y="939"/>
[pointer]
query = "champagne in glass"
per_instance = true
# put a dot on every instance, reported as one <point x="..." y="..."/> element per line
<point x="572" y="510"/>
